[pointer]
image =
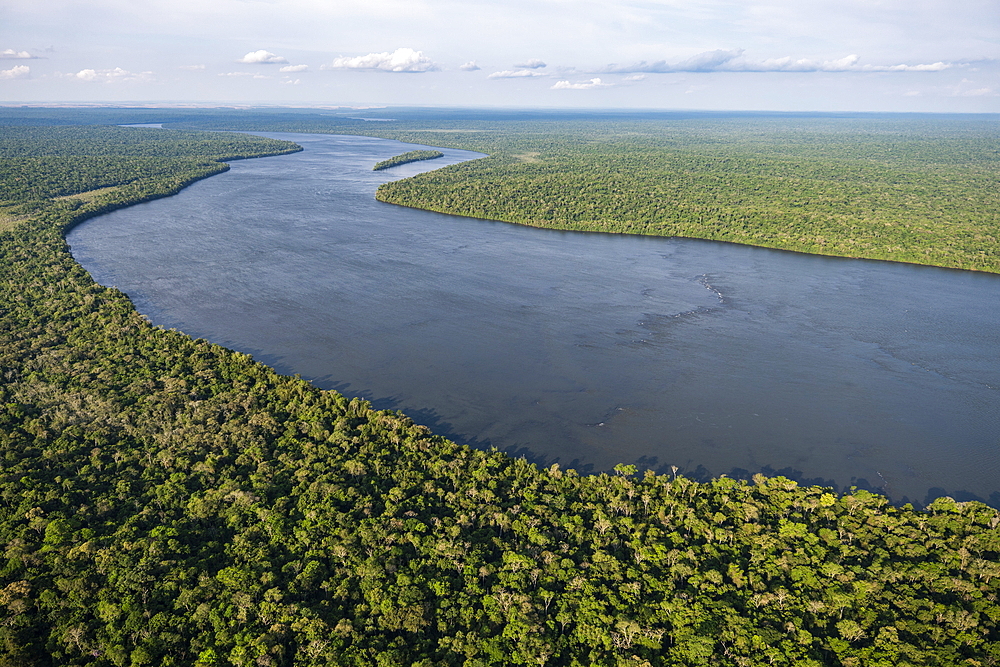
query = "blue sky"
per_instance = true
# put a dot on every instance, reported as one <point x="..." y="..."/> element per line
<point x="849" y="55"/>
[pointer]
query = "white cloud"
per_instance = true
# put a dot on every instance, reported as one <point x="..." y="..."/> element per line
<point x="635" y="77"/>
<point x="534" y="63"/>
<point x="963" y="90"/>
<point x="470" y="66"/>
<point x="262" y="57"/>
<point x="586" y="85"/>
<point x="20" y="55"/>
<point x="250" y="74"/>
<point x="294" y="68"/>
<point x="845" y="64"/>
<point x="293" y="82"/>
<point x="192" y="67"/>
<point x="400" y="60"/>
<point x="703" y="62"/>
<point x="926" y="46"/>
<point x="932" y="67"/>
<point x="732" y="60"/>
<point x="18" y="72"/>
<point x="515" y="74"/>
<point x="111" y="75"/>
<point x="709" y="60"/>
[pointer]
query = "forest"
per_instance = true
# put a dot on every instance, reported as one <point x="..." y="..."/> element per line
<point x="167" y="501"/>
<point x="911" y="192"/>
<point x="916" y="188"/>
<point x="407" y="157"/>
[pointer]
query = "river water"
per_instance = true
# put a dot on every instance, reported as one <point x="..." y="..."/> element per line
<point x="582" y="349"/>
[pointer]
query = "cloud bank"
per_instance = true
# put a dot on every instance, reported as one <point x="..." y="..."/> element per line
<point x="722" y="60"/>
<point x="111" y="75"/>
<point x="18" y="72"/>
<point x="262" y="57"/>
<point x="963" y="89"/>
<point x="586" y="85"/>
<point x="515" y="74"/>
<point x="400" y="60"/>
<point x="294" y="68"/>
<point x="534" y="63"/>
<point x="20" y="55"/>
<point x="251" y="74"/>
<point x="470" y="66"/>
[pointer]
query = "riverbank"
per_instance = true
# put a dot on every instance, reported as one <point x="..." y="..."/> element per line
<point x="406" y="158"/>
<point x="919" y="193"/>
<point x="912" y="188"/>
<point x="528" y="339"/>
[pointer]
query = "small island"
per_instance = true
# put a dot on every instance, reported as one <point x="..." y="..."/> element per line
<point x="411" y="156"/>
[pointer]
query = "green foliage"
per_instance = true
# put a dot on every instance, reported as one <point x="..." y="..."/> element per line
<point x="404" y="158"/>
<point x="106" y="167"/>
<point x="921" y="192"/>
<point x="910" y="188"/>
<point x="166" y="501"/>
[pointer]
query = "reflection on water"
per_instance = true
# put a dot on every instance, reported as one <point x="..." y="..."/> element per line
<point x="582" y="349"/>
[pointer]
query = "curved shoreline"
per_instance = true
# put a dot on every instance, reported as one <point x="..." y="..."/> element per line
<point x="407" y="158"/>
<point x="585" y="230"/>
<point x="409" y="396"/>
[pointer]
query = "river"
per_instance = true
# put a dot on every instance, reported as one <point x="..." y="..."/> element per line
<point x="582" y="349"/>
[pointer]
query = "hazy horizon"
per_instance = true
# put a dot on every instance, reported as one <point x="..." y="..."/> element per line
<point x="775" y="55"/>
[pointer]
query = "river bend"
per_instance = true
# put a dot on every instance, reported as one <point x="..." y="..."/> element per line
<point x="582" y="349"/>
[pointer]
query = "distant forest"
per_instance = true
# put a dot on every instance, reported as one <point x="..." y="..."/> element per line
<point x="167" y="501"/>
<point x="917" y="188"/>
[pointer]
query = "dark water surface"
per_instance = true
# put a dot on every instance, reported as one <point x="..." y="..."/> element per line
<point x="584" y="349"/>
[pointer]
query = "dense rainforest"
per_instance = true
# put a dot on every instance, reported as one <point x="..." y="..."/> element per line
<point x="406" y="158"/>
<point x="913" y="192"/>
<point x="166" y="501"/>
<point x="910" y="188"/>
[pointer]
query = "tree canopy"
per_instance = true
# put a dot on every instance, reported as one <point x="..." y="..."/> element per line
<point x="166" y="501"/>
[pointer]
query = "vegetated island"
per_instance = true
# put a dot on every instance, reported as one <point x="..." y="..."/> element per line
<point x="404" y="158"/>
<point x="166" y="501"/>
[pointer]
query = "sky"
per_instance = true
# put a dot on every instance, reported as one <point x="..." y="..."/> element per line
<point x="784" y="55"/>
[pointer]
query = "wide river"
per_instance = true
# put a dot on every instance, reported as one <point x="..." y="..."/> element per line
<point x="582" y="349"/>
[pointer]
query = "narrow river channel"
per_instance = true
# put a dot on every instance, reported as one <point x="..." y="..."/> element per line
<point x="582" y="349"/>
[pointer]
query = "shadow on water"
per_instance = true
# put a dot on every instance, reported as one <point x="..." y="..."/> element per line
<point x="694" y="471"/>
<point x="700" y="473"/>
<point x="697" y="472"/>
<point x="962" y="496"/>
<point x="433" y="420"/>
<point x="423" y="416"/>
